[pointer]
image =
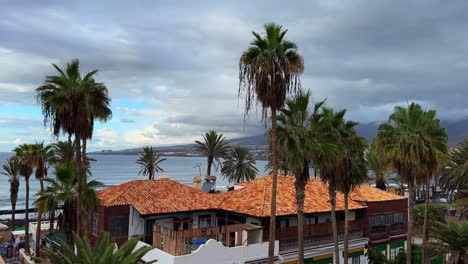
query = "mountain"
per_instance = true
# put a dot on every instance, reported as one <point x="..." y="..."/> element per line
<point x="259" y="143"/>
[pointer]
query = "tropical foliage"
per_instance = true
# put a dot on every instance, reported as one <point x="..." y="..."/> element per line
<point x="415" y="143"/>
<point x="104" y="251"/>
<point x="301" y="140"/>
<point x="71" y="102"/>
<point x="454" y="179"/>
<point x="452" y="238"/>
<point x="268" y="70"/>
<point x="149" y="161"/>
<point x="24" y="153"/>
<point x="239" y="165"/>
<point x="381" y="173"/>
<point x="11" y="169"/>
<point x="214" y="147"/>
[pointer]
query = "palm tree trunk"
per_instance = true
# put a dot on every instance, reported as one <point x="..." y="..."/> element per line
<point x="208" y="168"/>
<point x="13" y="208"/>
<point x="271" y="239"/>
<point x="39" y="225"/>
<point x="79" y="209"/>
<point x="300" y="187"/>
<point x="67" y="222"/>
<point x="425" y="227"/>
<point x="52" y="220"/>
<point x="409" y="239"/>
<point x="26" y="219"/>
<point x="85" y="217"/>
<point x="332" y="194"/>
<point x="346" y="229"/>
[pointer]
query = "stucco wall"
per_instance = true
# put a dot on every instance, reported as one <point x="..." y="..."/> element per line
<point x="214" y="252"/>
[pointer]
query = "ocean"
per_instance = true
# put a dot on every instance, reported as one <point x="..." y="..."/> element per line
<point x="116" y="169"/>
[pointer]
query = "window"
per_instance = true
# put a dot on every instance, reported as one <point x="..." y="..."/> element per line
<point x="204" y="221"/>
<point x="394" y="252"/>
<point x="378" y="229"/>
<point x="396" y="227"/>
<point x="118" y="226"/>
<point x="354" y="260"/>
<point x="284" y="222"/>
<point x="395" y="221"/>
<point x="311" y="220"/>
<point x="94" y="223"/>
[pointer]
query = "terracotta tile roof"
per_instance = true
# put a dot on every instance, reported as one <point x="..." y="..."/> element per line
<point x="255" y="197"/>
<point x="367" y="193"/>
<point x="158" y="196"/>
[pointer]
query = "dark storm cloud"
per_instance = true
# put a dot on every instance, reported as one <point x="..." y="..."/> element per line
<point x="365" y="56"/>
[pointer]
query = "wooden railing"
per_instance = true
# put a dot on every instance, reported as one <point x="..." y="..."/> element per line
<point x="313" y="234"/>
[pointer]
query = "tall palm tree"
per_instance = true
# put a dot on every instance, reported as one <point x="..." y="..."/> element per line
<point x="149" y="161"/>
<point x="62" y="189"/>
<point x="214" y="147"/>
<point x="414" y="142"/>
<point x="11" y="169"/>
<point x="451" y="238"/>
<point x="300" y="141"/>
<point x="380" y="168"/>
<point x="350" y="170"/>
<point x="44" y="157"/>
<point x="268" y="70"/>
<point x="239" y="165"/>
<point x="25" y="155"/>
<point x="71" y="102"/>
<point x="102" y="252"/>
<point x="332" y="172"/>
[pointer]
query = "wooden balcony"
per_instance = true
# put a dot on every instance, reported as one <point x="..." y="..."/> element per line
<point x="313" y="234"/>
<point x="181" y="242"/>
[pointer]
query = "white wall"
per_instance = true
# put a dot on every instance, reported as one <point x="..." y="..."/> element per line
<point x="136" y="224"/>
<point x="214" y="252"/>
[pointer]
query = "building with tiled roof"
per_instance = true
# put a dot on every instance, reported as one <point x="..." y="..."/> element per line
<point x="254" y="198"/>
<point x="177" y="218"/>
<point x="159" y="196"/>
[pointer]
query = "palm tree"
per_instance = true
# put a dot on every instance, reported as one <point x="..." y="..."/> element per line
<point x="268" y="70"/>
<point x="43" y="158"/>
<point x="300" y="141"/>
<point x="455" y="175"/>
<point x="414" y="142"/>
<point x="70" y="103"/>
<point x="239" y="165"/>
<point x="149" y="161"/>
<point x="214" y="148"/>
<point x="380" y="168"/>
<point x="11" y="169"/>
<point x="64" y="152"/>
<point x="350" y="170"/>
<point x="453" y="239"/>
<point x="24" y="153"/>
<point x="102" y="252"/>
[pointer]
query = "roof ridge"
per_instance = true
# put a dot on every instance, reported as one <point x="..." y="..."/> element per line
<point x="130" y="185"/>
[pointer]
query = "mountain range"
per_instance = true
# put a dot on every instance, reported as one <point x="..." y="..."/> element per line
<point x="456" y="130"/>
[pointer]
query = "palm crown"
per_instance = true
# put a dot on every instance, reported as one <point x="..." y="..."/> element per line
<point x="269" y="68"/>
<point x="239" y="165"/>
<point x="214" y="147"/>
<point x="149" y="161"/>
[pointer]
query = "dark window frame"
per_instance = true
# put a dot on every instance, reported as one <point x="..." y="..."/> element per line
<point x="117" y="226"/>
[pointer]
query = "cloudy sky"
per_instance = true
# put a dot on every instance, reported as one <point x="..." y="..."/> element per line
<point x="172" y="68"/>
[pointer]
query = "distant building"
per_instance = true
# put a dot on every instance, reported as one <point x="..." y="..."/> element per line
<point x="187" y="225"/>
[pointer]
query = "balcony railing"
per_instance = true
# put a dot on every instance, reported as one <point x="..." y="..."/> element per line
<point x="181" y="242"/>
<point x="313" y="234"/>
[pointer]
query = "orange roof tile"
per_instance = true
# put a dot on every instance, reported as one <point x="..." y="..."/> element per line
<point x="255" y="197"/>
<point x="158" y="196"/>
<point x="367" y="193"/>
